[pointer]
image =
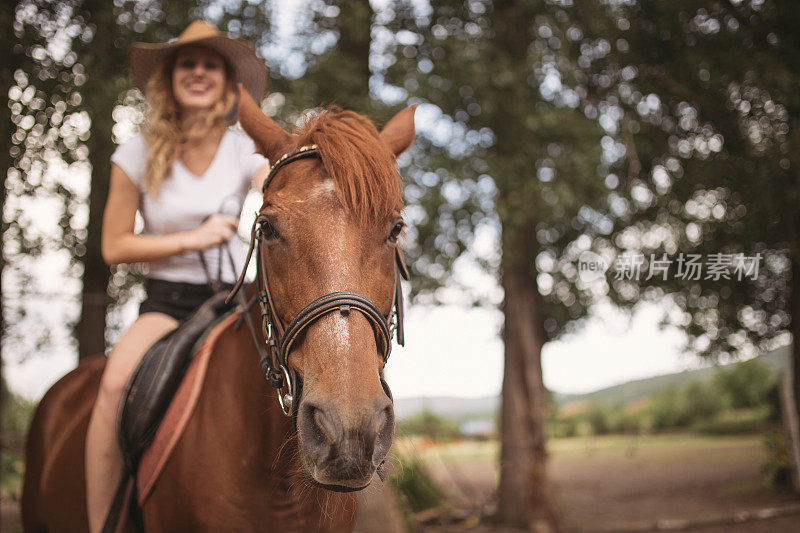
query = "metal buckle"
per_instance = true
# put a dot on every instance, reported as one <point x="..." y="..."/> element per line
<point x="392" y="322"/>
<point x="286" y="401"/>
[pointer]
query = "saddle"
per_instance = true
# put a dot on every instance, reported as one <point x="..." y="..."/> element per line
<point x="154" y="381"/>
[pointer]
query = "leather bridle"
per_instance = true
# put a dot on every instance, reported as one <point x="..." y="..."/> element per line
<point x="277" y="343"/>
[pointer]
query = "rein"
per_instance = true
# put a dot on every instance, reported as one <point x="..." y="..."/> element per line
<point x="278" y="341"/>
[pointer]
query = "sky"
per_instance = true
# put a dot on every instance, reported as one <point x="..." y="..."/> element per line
<point x="457" y="351"/>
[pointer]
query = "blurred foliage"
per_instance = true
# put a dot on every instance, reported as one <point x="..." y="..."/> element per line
<point x="617" y="127"/>
<point x="733" y="422"/>
<point x="704" y="402"/>
<point x="12" y="469"/>
<point x="16" y="417"/>
<point x="501" y="157"/>
<point x="67" y="94"/>
<point x="598" y="419"/>
<point x="322" y="59"/>
<point x="706" y="152"/>
<point x="415" y="486"/>
<point x="14" y="420"/>
<point x="431" y="425"/>
<point x="669" y="409"/>
<point x="777" y="466"/>
<point x="748" y="384"/>
<point x="741" y="398"/>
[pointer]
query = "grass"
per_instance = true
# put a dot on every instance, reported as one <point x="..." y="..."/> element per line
<point x="12" y="467"/>
<point x="660" y="446"/>
<point x="413" y="482"/>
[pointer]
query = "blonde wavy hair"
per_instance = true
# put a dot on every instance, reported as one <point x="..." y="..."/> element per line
<point x="162" y="131"/>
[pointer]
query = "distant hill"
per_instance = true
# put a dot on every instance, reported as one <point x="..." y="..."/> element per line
<point x="626" y="393"/>
<point x="453" y="408"/>
<point x="463" y="408"/>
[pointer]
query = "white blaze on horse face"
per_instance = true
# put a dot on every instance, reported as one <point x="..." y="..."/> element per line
<point x="323" y="189"/>
<point x="340" y="268"/>
<point x="341" y="329"/>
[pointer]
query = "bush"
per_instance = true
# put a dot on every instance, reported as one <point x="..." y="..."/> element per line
<point x="599" y="419"/>
<point x="16" y="416"/>
<point x="745" y="385"/>
<point x="734" y="422"/>
<point x="701" y="402"/>
<point x="668" y="409"/>
<point x="777" y="465"/>
<point x="415" y="485"/>
<point x="568" y="427"/>
<point x="430" y="425"/>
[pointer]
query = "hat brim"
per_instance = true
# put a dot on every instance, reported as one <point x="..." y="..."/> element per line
<point x="249" y="70"/>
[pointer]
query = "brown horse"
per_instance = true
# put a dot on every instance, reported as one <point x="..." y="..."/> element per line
<point x="240" y="464"/>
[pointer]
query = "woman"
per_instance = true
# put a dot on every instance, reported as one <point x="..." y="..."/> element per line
<point x="177" y="173"/>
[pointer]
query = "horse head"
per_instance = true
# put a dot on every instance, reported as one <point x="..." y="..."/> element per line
<point x="328" y="227"/>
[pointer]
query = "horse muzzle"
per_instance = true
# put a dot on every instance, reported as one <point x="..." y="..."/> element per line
<point x="341" y="449"/>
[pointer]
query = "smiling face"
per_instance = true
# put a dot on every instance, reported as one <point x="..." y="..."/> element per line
<point x="198" y="78"/>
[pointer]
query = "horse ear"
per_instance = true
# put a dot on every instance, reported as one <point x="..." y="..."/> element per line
<point x="399" y="131"/>
<point x="270" y="138"/>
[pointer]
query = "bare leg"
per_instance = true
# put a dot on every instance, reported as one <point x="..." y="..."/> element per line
<point x="103" y="458"/>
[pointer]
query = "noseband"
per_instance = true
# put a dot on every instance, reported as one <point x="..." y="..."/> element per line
<point x="274" y="351"/>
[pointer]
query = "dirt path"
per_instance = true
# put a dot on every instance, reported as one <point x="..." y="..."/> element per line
<point x="617" y="483"/>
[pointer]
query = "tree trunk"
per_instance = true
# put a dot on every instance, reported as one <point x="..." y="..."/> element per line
<point x="102" y="62"/>
<point x="12" y="62"/>
<point x="342" y="75"/>
<point x="354" y="43"/>
<point x="525" y="499"/>
<point x="794" y="312"/>
<point x="94" y="297"/>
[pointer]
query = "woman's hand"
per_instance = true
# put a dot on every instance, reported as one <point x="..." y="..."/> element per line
<point x="121" y="245"/>
<point x="217" y="229"/>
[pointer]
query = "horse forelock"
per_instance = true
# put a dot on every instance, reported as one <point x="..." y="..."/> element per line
<point x="362" y="167"/>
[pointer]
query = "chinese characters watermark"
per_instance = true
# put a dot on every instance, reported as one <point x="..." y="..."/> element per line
<point x="714" y="267"/>
<point x="692" y="267"/>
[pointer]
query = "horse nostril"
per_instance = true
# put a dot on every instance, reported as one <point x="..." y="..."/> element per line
<point x="317" y="429"/>
<point x="323" y="430"/>
<point x="384" y="434"/>
<point x="385" y="421"/>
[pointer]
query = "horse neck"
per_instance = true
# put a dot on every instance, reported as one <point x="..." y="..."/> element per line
<point x="265" y="433"/>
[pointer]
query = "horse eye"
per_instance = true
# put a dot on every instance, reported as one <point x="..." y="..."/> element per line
<point x="396" y="231"/>
<point x="268" y="230"/>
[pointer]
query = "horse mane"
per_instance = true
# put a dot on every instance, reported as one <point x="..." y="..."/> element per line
<point x="363" y="168"/>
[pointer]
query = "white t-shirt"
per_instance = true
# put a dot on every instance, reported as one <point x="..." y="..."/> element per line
<point x="186" y="200"/>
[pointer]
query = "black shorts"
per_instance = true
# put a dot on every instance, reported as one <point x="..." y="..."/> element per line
<point x="176" y="299"/>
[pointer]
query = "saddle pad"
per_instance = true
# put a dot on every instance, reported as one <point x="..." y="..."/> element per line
<point x="178" y="413"/>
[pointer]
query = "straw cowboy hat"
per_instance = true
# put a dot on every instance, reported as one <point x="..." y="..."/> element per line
<point x="250" y="71"/>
